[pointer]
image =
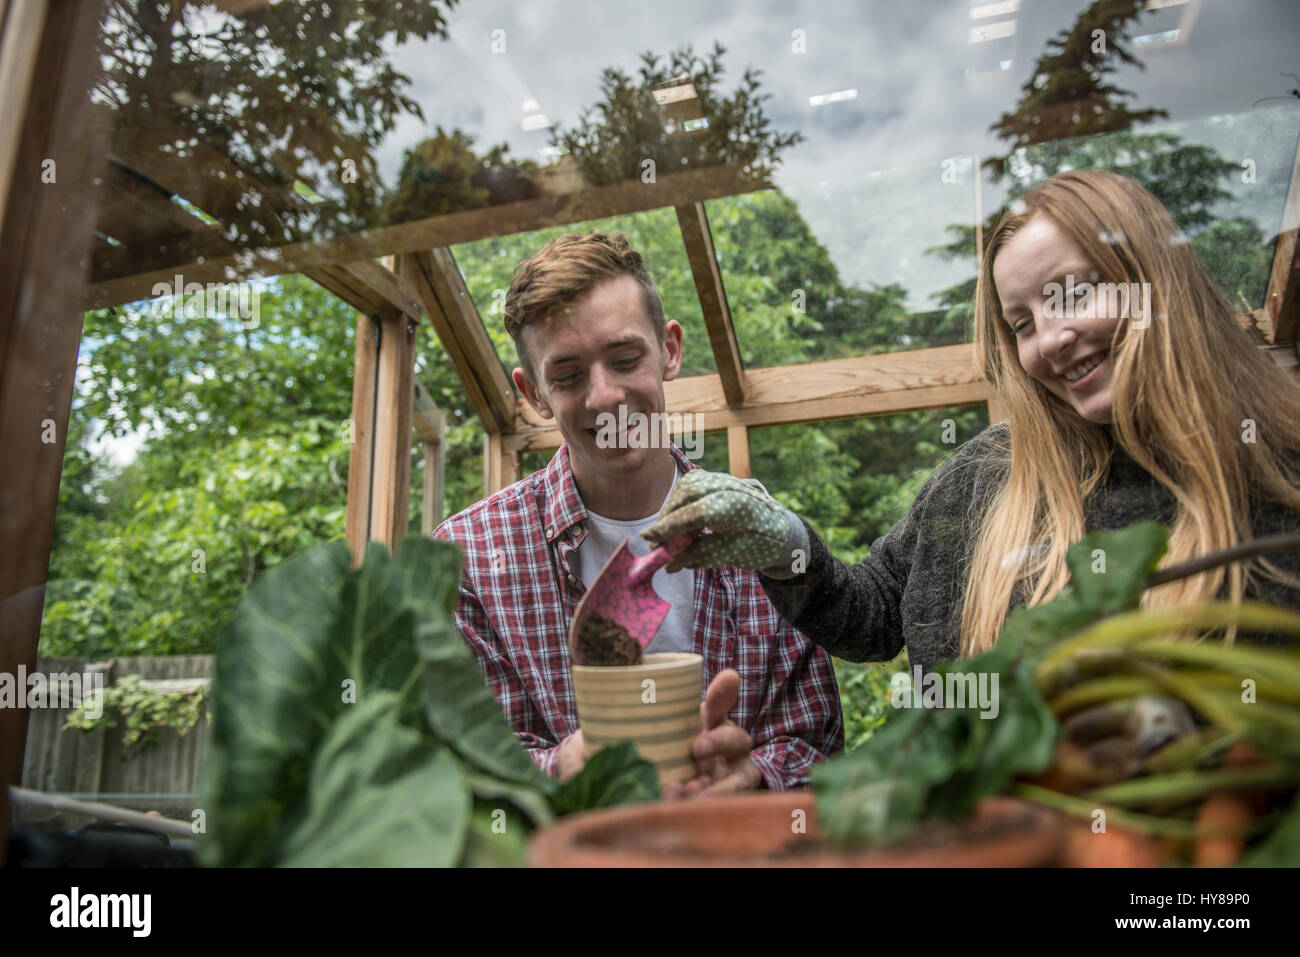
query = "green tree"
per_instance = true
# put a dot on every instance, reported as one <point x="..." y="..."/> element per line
<point x="1070" y="117"/>
<point x="628" y="125"/>
<point x="443" y="174"/>
<point x="290" y="91"/>
<point x="245" y="460"/>
<point x="1068" y="94"/>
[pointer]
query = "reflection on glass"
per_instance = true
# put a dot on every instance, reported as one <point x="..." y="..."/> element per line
<point x="1224" y="179"/>
<point x="841" y="269"/>
<point x="299" y="121"/>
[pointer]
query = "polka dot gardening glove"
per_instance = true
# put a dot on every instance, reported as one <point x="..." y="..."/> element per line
<point x="748" y="528"/>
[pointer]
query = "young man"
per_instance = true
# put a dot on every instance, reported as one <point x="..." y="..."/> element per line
<point x="593" y="342"/>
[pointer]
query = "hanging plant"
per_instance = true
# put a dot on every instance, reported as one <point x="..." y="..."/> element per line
<point x="141" y="711"/>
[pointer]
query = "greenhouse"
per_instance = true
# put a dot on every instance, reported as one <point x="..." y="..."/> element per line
<point x="576" y="434"/>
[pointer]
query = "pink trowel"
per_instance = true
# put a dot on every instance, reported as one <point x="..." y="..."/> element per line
<point x="622" y="593"/>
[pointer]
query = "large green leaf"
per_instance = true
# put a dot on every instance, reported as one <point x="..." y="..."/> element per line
<point x="380" y="795"/>
<point x="1108" y="573"/>
<point x="497" y="837"/>
<point x="351" y="725"/>
<point x="531" y="802"/>
<point x="458" y="705"/>
<point x="1109" y="570"/>
<point x="879" y="790"/>
<point x="1282" y="847"/>
<point x="937" y="763"/>
<point x="1020" y="739"/>
<point x="308" y="638"/>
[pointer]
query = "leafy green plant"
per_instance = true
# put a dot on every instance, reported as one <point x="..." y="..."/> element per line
<point x="142" y="712"/>
<point x="865" y="696"/>
<point x="352" y="726"/>
<point x="1091" y="648"/>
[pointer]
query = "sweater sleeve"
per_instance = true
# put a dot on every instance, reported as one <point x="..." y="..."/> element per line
<point x="857" y="612"/>
<point x="852" y="611"/>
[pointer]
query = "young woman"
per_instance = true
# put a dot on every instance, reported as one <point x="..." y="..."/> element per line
<point x="1132" y="393"/>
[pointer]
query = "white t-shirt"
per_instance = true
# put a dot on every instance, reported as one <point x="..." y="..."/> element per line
<point x="603" y="537"/>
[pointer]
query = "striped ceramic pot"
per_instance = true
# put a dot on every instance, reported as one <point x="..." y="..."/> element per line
<point x="656" y="704"/>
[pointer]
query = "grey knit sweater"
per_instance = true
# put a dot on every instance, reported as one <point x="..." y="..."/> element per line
<point x="909" y="590"/>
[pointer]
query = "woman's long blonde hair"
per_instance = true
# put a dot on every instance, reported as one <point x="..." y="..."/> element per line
<point x="1187" y="391"/>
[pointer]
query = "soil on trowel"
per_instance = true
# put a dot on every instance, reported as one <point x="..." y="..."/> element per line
<point x="603" y="642"/>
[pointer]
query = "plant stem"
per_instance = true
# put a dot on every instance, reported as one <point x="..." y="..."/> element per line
<point x="1142" y="823"/>
<point x="1242" y="550"/>
<point x="1101" y="689"/>
<point x="1189" y="785"/>
<point x="1188" y="751"/>
<point x="1134" y="626"/>
<point x="1279" y="666"/>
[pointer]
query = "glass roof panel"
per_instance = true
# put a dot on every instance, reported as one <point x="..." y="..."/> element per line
<point x="408" y="126"/>
<point x="488" y="264"/>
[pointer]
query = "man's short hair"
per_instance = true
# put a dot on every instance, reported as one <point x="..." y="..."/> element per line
<point x="565" y="269"/>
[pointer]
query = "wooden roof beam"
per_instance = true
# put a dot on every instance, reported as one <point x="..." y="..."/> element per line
<point x="206" y="177"/>
<point x="369" y="287"/>
<point x="694" y="223"/>
<point x="839" y="388"/>
<point x="456" y="320"/>
<point x="136" y="211"/>
<point x="129" y="274"/>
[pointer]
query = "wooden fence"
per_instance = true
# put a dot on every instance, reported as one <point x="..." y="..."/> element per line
<point x="97" y="762"/>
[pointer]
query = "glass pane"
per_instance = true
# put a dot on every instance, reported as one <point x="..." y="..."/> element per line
<point x="829" y="270"/>
<point x="208" y="441"/>
<point x="292" y="122"/>
<point x="853" y="479"/>
<point x="1223" y="178"/>
<point x="708" y="451"/>
<point x="488" y="265"/>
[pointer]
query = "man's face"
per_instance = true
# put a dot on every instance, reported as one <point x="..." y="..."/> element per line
<point x="1064" y="345"/>
<point x="591" y="358"/>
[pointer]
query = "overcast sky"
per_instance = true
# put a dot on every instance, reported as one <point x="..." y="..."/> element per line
<point x="908" y="62"/>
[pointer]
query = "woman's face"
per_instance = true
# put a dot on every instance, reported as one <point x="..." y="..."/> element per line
<point x="1062" y="328"/>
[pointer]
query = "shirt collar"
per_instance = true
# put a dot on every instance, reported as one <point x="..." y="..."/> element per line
<point x="561" y="506"/>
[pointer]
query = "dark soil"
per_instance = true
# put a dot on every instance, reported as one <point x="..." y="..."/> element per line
<point x="602" y="642"/>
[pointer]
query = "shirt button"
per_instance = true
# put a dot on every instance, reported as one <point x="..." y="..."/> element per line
<point x="550" y="532"/>
<point x="571" y="579"/>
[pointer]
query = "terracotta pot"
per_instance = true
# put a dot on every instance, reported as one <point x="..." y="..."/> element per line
<point x="1116" y="847"/>
<point x="656" y="704"/>
<point x="763" y="830"/>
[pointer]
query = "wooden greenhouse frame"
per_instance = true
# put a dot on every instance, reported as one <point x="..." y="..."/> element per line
<point x="48" y="236"/>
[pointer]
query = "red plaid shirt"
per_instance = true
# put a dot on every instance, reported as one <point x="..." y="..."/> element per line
<point x="520" y="589"/>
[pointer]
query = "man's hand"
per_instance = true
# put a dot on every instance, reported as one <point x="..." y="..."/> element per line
<point x="747" y="527"/>
<point x="572" y="756"/>
<point x="722" y="748"/>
